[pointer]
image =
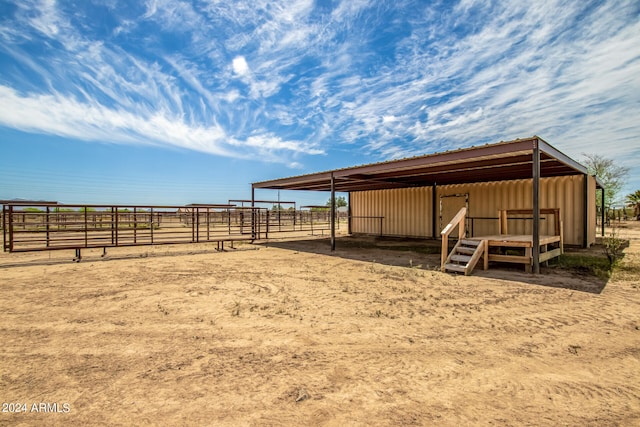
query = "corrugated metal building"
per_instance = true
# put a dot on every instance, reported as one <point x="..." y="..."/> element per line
<point x="416" y="197"/>
<point x="408" y="212"/>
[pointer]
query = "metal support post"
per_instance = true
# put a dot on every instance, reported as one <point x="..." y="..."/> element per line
<point x="349" y="213"/>
<point x="536" y="206"/>
<point x="585" y="211"/>
<point x="602" y="213"/>
<point x="333" y="213"/>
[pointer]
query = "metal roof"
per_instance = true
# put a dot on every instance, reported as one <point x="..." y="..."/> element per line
<point x="492" y="162"/>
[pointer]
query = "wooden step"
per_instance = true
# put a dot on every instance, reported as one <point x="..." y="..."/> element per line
<point x="467" y="242"/>
<point x="465" y="250"/>
<point x="461" y="258"/>
<point x="455" y="267"/>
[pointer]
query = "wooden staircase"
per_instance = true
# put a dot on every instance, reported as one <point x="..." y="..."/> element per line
<point x="466" y="253"/>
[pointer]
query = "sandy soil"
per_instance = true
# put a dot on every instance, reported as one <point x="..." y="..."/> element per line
<point x="288" y="333"/>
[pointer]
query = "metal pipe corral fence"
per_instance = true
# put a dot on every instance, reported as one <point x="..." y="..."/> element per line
<point x="40" y="226"/>
<point x="34" y="227"/>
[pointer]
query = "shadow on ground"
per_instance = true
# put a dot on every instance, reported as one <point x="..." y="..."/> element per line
<point x="425" y="254"/>
<point x="409" y="253"/>
<point x="112" y="255"/>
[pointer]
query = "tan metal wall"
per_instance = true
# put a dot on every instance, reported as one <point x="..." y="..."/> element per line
<point x="407" y="212"/>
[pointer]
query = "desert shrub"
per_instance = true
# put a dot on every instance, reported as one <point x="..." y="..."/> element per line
<point x="613" y="246"/>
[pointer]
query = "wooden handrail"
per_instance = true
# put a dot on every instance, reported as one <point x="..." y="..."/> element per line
<point x="457" y="220"/>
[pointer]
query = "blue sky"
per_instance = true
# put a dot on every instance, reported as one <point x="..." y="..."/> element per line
<point x="175" y="101"/>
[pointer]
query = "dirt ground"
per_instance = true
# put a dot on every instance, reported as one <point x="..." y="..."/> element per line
<point x="289" y="333"/>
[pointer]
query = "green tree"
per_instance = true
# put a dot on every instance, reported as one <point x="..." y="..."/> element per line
<point x="633" y="201"/>
<point x="633" y="198"/>
<point x="611" y="176"/>
<point x="340" y="202"/>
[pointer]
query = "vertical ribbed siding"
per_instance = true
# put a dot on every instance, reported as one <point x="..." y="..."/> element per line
<point x="485" y="199"/>
<point x="406" y="212"/>
<point x="482" y="207"/>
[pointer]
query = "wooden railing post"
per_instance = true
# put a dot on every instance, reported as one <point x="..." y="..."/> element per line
<point x="502" y="221"/>
<point x="444" y="251"/>
<point x="457" y="220"/>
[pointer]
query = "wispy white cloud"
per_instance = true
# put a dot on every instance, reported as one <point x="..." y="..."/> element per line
<point x="92" y="121"/>
<point x="173" y="15"/>
<point x="101" y="91"/>
<point x="508" y="78"/>
<point x="285" y="79"/>
<point x="44" y="17"/>
<point x="347" y="10"/>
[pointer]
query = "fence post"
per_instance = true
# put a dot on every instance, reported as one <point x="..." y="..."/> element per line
<point x="47" y="226"/>
<point x="151" y="224"/>
<point x="10" y="228"/>
<point x="135" y="225"/>
<point x="332" y="215"/>
<point x="86" y="228"/>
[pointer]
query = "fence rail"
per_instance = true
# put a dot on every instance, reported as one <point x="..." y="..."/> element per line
<point x="50" y="227"/>
<point x="31" y="226"/>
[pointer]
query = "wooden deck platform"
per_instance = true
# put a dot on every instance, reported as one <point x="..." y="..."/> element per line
<point x="499" y="243"/>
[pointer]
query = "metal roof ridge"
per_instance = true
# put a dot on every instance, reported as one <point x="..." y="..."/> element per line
<point x="405" y="159"/>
